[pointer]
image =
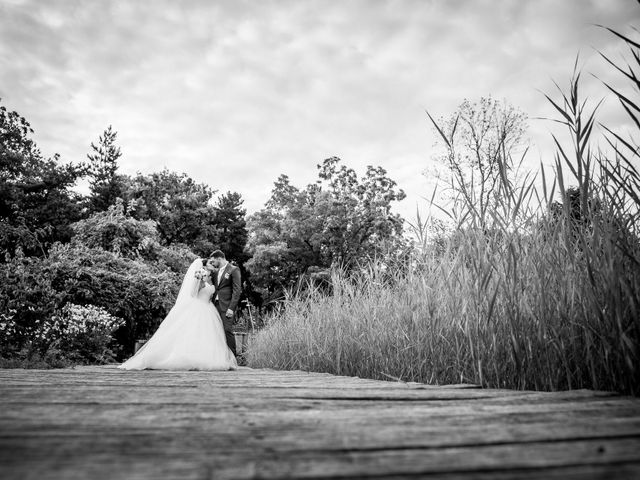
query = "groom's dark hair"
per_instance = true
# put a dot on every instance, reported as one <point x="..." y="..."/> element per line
<point x="218" y="254"/>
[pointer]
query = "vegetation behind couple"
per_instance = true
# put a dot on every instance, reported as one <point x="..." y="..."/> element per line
<point x="197" y="333"/>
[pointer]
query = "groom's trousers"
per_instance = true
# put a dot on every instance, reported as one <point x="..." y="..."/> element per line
<point x="228" y="328"/>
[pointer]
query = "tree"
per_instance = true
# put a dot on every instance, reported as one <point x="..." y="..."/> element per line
<point x="36" y="203"/>
<point x="481" y="139"/>
<point x="232" y="226"/>
<point x="179" y="206"/>
<point x="361" y="222"/>
<point x="232" y="239"/>
<point x="106" y="184"/>
<point x="339" y="220"/>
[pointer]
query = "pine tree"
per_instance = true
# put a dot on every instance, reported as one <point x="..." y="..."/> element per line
<point x="105" y="183"/>
<point x="232" y="225"/>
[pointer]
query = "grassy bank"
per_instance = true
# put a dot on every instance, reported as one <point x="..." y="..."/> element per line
<point x="524" y="313"/>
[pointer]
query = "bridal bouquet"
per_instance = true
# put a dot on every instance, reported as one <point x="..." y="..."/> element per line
<point x="200" y="274"/>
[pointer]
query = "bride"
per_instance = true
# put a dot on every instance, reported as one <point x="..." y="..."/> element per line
<point x="191" y="337"/>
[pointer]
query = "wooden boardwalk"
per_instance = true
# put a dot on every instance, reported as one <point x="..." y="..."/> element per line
<point x="100" y="422"/>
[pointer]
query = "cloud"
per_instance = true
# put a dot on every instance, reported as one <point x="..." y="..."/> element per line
<point x="237" y="92"/>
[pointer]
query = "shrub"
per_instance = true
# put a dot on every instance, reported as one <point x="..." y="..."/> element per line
<point x="83" y="333"/>
<point x="75" y="334"/>
<point x="27" y="299"/>
<point x="139" y="292"/>
<point x="115" y="231"/>
<point x="34" y="291"/>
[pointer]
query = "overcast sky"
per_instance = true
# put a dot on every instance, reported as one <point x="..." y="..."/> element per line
<point x="235" y="93"/>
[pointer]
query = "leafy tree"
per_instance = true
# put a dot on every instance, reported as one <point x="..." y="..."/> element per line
<point x="36" y="203"/>
<point x="185" y="213"/>
<point x="359" y="215"/>
<point x="339" y="220"/>
<point x="179" y="206"/>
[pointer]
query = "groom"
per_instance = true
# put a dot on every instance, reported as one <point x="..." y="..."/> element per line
<point x="226" y="279"/>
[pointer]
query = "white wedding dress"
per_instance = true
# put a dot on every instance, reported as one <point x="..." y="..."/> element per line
<point x="191" y="337"/>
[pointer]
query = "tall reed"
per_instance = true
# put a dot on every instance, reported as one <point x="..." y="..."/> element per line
<point x="529" y="294"/>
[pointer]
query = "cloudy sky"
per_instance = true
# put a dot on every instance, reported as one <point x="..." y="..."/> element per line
<point x="235" y="93"/>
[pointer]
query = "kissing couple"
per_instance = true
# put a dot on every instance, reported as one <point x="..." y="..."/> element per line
<point x="196" y="334"/>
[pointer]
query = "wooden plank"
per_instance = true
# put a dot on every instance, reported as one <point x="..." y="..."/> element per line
<point x="293" y="436"/>
<point x="96" y="422"/>
<point x="236" y="461"/>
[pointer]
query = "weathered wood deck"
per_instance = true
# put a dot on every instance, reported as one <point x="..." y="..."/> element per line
<point x="100" y="422"/>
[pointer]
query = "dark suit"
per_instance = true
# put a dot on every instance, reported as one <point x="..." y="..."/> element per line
<point x="228" y="293"/>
